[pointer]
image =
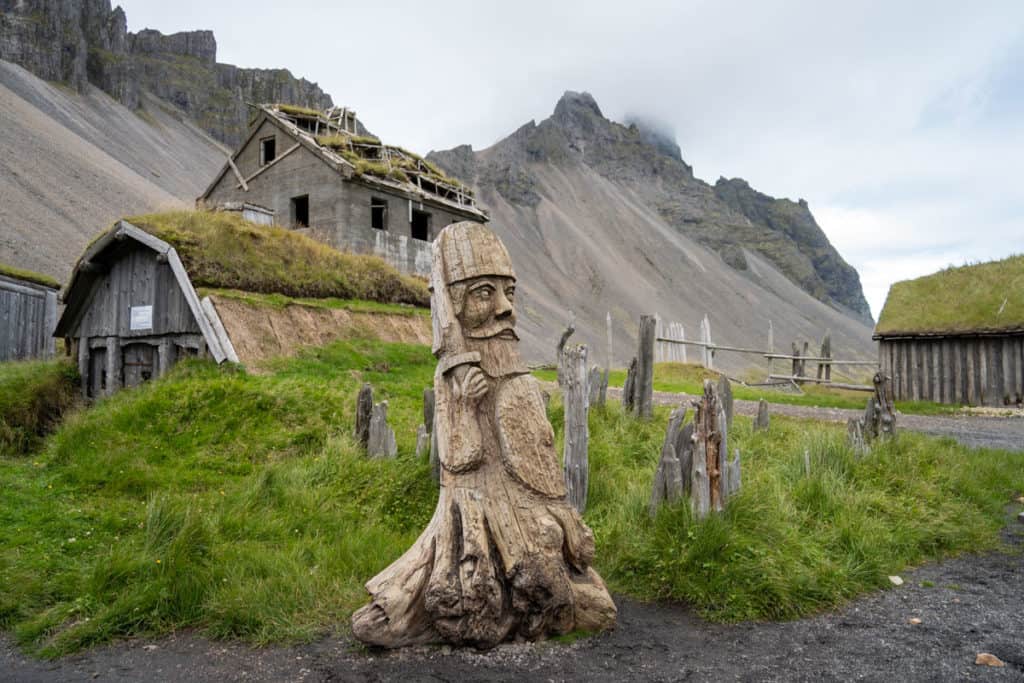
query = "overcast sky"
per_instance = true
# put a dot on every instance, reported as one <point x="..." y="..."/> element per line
<point x="902" y="124"/>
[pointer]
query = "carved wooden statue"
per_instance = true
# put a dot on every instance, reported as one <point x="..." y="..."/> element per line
<point x="504" y="556"/>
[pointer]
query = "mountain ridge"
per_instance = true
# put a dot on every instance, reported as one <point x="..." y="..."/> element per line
<point x="86" y="42"/>
<point x="727" y="217"/>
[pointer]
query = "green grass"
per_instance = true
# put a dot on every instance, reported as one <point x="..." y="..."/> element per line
<point x="221" y="250"/>
<point x="239" y="505"/>
<point x="28" y="276"/>
<point x="689" y="379"/>
<point x="984" y="296"/>
<point x="280" y="301"/>
<point x="34" y="395"/>
<point x="296" y="110"/>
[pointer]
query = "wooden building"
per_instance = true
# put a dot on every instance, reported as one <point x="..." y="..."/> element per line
<point x="28" y="314"/>
<point x="315" y="173"/>
<point x="957" y="336"/>
<point x="131" y="312"/>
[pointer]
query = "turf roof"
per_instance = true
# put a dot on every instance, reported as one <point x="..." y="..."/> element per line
<point x="28" y="276"/>
<point x="980" y="298"/>
<point x="221" y="250"/>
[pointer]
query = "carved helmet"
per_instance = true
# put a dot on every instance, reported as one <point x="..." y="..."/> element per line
<point x="470" y="250"/>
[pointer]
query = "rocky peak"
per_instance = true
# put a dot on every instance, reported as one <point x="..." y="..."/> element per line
<point x="199" y="44"/>
<point x="83" y="42"/>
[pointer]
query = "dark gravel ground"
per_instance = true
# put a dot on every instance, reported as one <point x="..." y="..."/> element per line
<point x="966" y="605"/>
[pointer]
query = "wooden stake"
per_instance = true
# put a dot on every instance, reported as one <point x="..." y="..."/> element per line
<point x="577" y="433"/>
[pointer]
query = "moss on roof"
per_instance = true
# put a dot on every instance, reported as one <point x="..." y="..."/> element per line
<point x="28" y="276"/>
<point x="221" y="250"/>
<point x="985" y="297"/>
<point x="296" y="110"/>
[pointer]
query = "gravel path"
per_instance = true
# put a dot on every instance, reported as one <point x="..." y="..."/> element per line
<point x="971" y="430"/>
<point x="967" y="605"/>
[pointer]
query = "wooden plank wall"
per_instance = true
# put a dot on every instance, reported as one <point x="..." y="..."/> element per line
<point x="137" y="278"/>
<point x="975" y="371"/>
<point x="28" y="316"/>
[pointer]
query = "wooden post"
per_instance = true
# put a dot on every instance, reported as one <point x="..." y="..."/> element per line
<point x="762" y="421"/>
<point x="644" y="403"/>
<point x="84" y="365"/>
<point x="668" y="476"/>
<point x="710" y="477"/>
<point x="428" y="409"/>
<point x="569" y="330"/>
<point x="422" y="442"/>
<point x="796" y="361"/>
<point x="382" y="437"/>
<point x="660" y="347"/>
<point x="824" y="366"/>
<point x="577" y="434"/>
<point x="364" y="408"/>
<point x="598" y="386"/>
<point x="629" y="387"/>
<point x="725" y="398"/>
<point x="114" y="379"/>
<point x="609" y="358"/>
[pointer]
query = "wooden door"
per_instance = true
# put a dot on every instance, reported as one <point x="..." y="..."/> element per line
<point x="97" y="380"/>
<point x="139" y="362"/>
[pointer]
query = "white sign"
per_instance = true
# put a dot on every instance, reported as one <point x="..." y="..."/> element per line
<point x="142" y="318"/>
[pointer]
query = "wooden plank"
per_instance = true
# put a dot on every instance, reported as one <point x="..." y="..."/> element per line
<point x="218" y="329"/>
<point x="126" y="230"/>
<point x="238" y="174"/>
<point x="983" y="379"/>
<point x="195" y="307"/>
<point x="268" y="166"/>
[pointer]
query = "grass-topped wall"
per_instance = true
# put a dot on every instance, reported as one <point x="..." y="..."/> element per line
<point x="222" y="250"/>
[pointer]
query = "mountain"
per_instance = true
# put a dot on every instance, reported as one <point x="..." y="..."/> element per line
<point x="85" y="42"/>
<point x="602" y="217"/>
<point x="74" y="162"/>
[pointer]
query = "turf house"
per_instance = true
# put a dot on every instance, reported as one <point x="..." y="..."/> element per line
<point x="957" y="336"/>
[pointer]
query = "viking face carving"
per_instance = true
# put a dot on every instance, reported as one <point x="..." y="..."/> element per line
<point x="487" y="308"/>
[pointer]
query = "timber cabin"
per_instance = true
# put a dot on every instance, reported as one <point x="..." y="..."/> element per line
<point x="28" y="313"/>
<point x="957" y="336"/>
<point x="315" y="172"/>
<point x="132" y="312"/>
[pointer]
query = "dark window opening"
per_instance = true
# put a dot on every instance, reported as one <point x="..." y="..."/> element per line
<point x="420" y="225"/>
<point x="300" y="211"/>
<point x="378" y="213"/>
<point x="268" y="150"/>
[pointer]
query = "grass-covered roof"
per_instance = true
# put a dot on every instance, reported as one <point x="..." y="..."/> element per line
<point x="985" y="297"/>
<point x="221" y="250"/>
<point x="28" y="276"/>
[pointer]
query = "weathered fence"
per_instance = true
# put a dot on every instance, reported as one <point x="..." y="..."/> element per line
<point x="799" y="359"/>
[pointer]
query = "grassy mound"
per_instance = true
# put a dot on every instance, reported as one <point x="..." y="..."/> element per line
<point x="28" y="276"/>
<point x="33" y="397"/>
<point x="985" y="296"/>
<point x="221" y="250"/>
<point x="239" y="504"/>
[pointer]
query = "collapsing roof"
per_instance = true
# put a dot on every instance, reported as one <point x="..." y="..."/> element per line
<point x="334" y="134"/>
<point x="985" y="298"/>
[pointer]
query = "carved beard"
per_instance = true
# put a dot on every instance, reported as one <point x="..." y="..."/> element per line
<point x="499" y="356"/>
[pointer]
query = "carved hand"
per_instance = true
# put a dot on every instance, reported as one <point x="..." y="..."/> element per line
<point x="473" y="384"/>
